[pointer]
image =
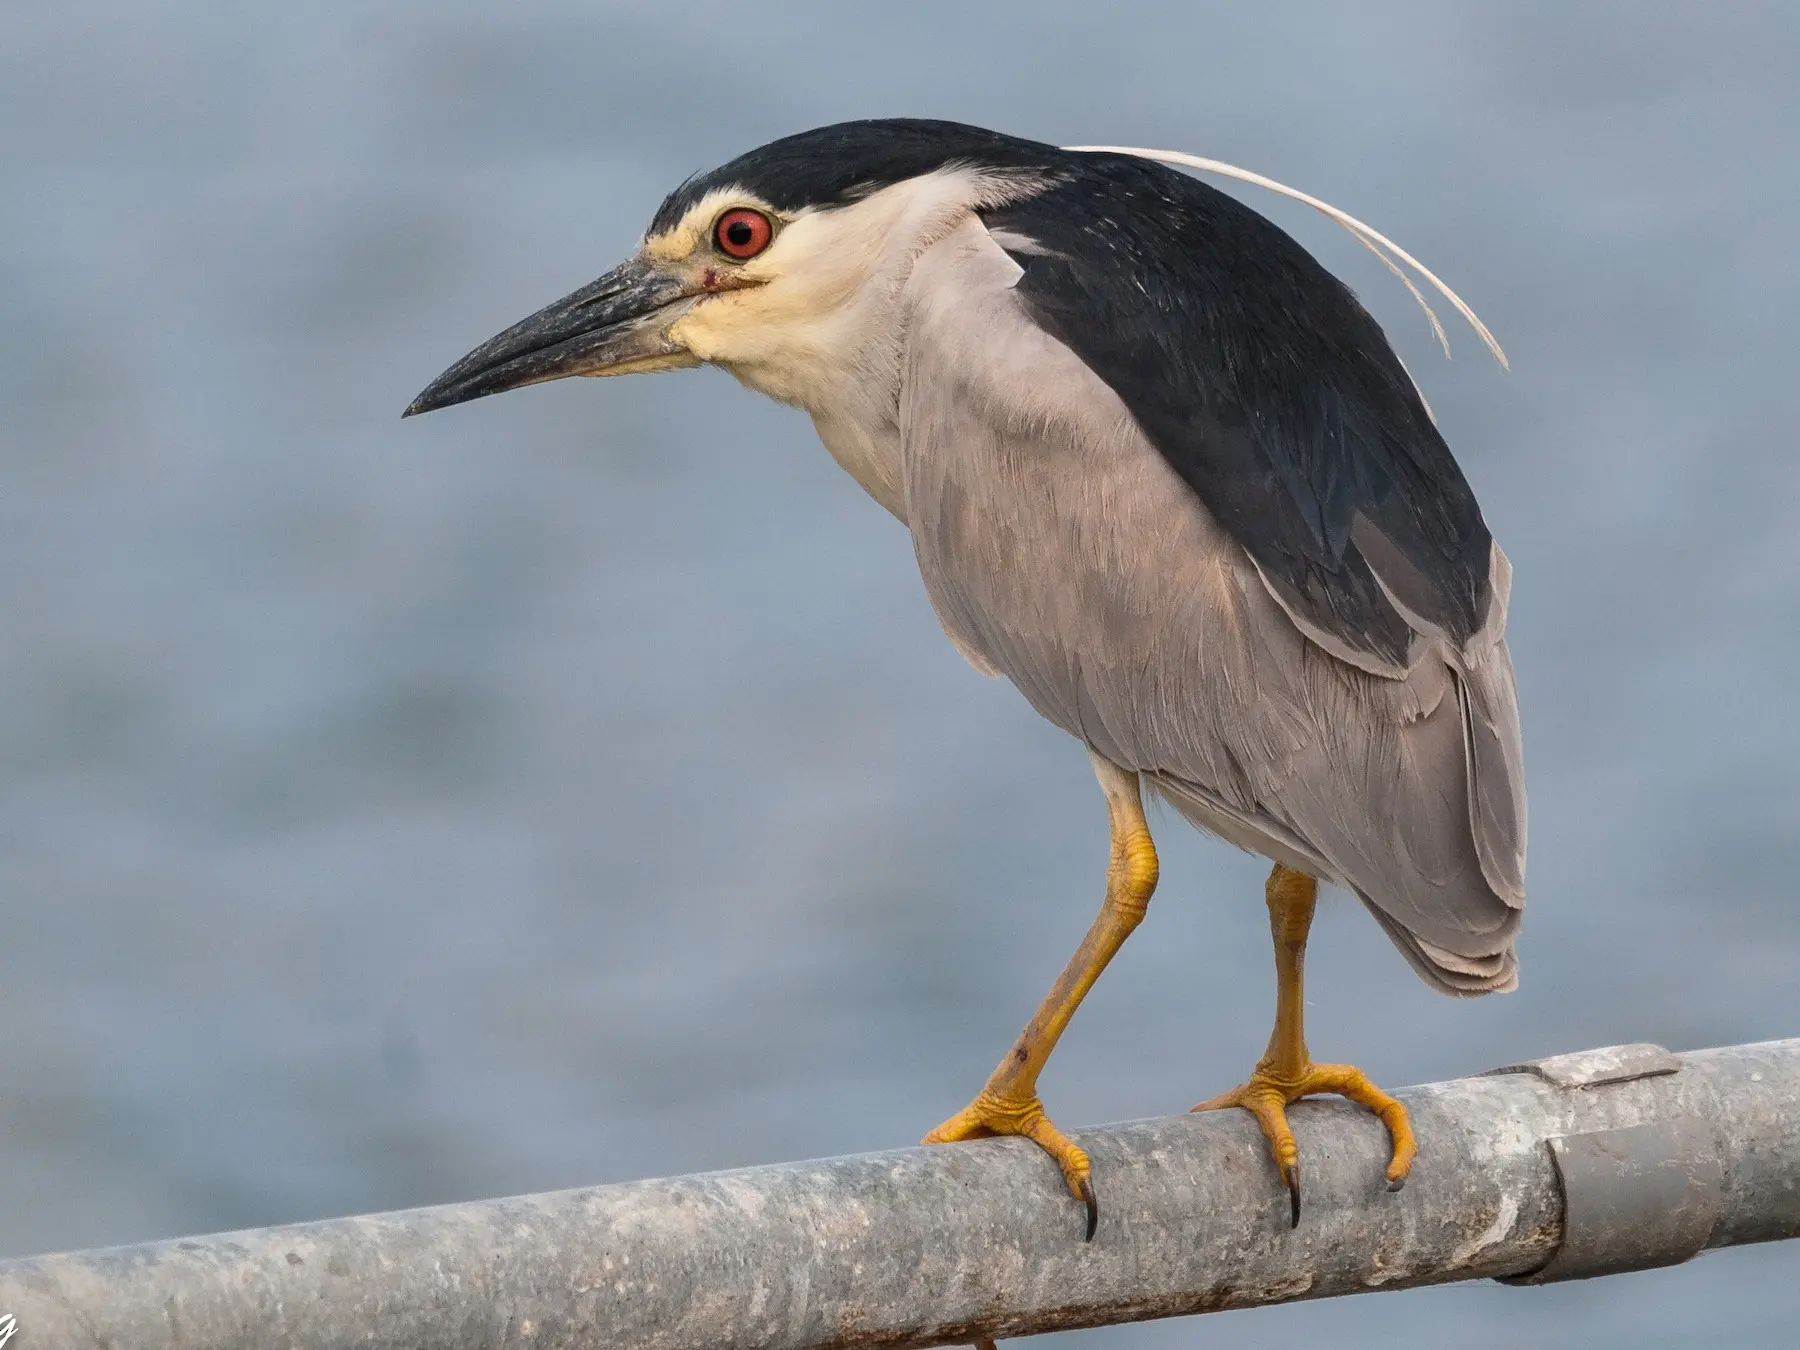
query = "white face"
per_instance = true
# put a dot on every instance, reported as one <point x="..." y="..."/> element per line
<point x="814" y="308"/>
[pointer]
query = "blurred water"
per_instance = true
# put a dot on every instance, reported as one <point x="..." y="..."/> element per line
<point x="576" y="786"/>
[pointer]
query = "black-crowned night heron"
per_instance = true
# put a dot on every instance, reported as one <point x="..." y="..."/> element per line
<point x="1164" y="473"/>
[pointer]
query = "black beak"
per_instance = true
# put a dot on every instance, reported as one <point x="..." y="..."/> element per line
<point x="616" y="326"/>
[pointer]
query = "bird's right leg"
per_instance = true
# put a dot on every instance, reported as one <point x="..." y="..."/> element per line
<point x="1286" y="1072"/>
<point x="1009" y="1103"/>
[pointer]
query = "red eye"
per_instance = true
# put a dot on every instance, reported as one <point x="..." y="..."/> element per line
<point x="742" y="233"/>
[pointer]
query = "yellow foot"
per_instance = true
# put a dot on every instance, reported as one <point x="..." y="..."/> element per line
<point x="991" y="1114"/>
<point x="1267" y="1096"/>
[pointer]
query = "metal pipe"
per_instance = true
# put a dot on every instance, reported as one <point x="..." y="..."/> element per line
<point x="1607" y="1160"/>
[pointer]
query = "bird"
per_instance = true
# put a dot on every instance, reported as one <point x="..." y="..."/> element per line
<point x="1164" y="473"/>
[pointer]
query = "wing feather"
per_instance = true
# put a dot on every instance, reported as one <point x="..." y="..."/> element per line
<point x="1272" y="392"/>
<point x="1062" y="549"/>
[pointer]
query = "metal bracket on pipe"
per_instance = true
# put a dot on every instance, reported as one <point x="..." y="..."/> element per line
<point x="1634" y="1197"/>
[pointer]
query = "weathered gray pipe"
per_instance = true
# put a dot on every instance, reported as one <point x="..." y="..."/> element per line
<point x="1614" y="1159"/>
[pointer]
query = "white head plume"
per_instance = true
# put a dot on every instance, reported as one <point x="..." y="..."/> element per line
<point x="1376" y="242"/>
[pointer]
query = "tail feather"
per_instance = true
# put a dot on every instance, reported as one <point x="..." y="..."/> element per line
<point x="1448" y="973"/>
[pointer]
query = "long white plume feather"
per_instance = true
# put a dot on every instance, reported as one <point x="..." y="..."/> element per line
<point x="1373" y="240"/>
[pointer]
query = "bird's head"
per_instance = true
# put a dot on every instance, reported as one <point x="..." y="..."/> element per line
<point x="781" y="266"/>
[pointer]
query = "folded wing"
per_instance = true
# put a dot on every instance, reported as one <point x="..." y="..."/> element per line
<point x="1324" y="681"/>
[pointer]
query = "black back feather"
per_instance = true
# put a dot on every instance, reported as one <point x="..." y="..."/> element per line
<point x="1270" y="390"/>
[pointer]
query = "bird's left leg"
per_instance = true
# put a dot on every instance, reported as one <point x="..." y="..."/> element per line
<point x="1009" y="1103"/>
<point x="1286" y="1072"/>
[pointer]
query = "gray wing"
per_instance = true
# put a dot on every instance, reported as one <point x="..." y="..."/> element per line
<point x="1272" y="392"/>
<point x="1061" y="550"/>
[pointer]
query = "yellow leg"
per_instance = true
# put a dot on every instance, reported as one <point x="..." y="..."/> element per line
<point x="1286" y="1072"/>
<point x="1009" y="1103"/>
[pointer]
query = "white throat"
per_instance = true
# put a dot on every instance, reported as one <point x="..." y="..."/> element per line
<point x="824" y="332"/>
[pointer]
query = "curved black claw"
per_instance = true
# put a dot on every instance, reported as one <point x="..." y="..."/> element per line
<point x="1291" y="1175"/>
<point x="1093" y="1207"/>
<point x="1396" y="1184"/>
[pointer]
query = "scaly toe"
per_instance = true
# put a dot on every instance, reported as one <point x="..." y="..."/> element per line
<point x="1267" y="1097"/>
<point x="990" y="1115"/>
<point x="1348" y="1081"/>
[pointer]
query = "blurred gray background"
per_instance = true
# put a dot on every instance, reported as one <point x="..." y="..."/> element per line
<point x="576" y="786"/>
